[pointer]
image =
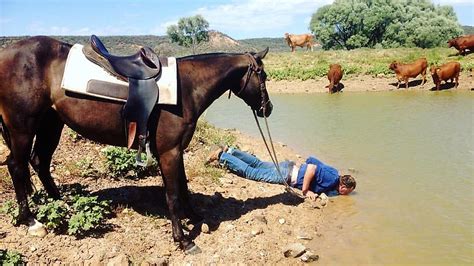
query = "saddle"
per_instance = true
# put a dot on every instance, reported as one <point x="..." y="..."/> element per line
<point x="141" y="70"/>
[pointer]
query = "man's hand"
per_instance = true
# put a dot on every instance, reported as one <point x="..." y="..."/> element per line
<point x="310" y="194"/>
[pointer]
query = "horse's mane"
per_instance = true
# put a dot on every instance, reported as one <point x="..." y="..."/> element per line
<point x="210" y="55"/>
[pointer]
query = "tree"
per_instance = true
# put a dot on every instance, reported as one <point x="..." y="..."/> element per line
<point x="189" y="32"/>
<point x="352" y="24"/>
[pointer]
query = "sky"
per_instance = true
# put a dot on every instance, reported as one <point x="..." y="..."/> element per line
<point x="240" y="19"/>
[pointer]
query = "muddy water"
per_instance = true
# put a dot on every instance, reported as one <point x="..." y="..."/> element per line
<point x="413" y="156"/>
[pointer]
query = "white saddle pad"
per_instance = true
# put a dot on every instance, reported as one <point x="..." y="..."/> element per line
<point x="79" y="71"/>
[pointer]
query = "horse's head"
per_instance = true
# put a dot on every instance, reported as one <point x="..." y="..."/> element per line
<point x="252" y="85"/>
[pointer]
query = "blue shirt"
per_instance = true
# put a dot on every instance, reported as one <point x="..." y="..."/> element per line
<point x="326" y="178"/>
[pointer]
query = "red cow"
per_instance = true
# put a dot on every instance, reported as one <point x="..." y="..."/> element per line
<point x="462" y="43"/>
<point x="334" y="76"/>
<point x="447" y="71"/>
<point x="406" y="71"/>
<point x="300" y="40"/>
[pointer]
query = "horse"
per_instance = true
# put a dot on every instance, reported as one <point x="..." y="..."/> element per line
<point x="34" y="109"/>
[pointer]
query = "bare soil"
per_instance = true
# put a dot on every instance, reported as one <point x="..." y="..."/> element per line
<point x="250" y="222"/>
<point x="367" y="83"/>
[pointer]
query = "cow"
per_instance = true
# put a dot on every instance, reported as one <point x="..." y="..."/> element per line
<point x="462" y="43"/>
<point x="447" y="71"/>
<point x="300" y="40"/>
<point x="334" y="76"/>
<point x="412" y="70"/>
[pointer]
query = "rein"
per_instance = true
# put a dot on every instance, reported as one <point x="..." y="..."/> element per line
<point x="253" y="67"/>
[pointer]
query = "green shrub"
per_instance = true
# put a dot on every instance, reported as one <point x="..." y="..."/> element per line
<point x="10" y="208"/>
<point x="53" y="214"/>
<point x="78" y="213"/>
<point x="8" y="257"/>
<point x="88" y="214"/>
<point x="86" y="167"/>
<point x="121" y="162"/>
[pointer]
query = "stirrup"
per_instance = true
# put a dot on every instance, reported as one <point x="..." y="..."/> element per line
<point x="149" y="157"/>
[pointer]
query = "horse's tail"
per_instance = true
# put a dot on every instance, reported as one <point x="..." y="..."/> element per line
<point x="6" y="136"/>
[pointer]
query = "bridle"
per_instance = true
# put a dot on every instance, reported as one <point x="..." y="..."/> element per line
<point x="253" y="67"/>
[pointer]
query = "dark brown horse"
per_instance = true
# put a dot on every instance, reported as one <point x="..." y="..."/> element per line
<point x="34" y="107"/>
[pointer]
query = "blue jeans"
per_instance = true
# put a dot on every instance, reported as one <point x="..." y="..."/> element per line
<point x="250" y="167"/>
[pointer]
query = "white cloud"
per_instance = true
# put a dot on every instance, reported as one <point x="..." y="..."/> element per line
<point x="259" y="15"/>
<point x="453" y="2"/>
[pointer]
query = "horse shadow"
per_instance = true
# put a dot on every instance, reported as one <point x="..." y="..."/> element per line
<point x="151" y="201"/>
<point x="412" y="83"/>
<point x="445" y="86"/>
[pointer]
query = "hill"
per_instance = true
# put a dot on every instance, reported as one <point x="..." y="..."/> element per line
<point x="218" y="42"/>
<point x="468" y="29"/>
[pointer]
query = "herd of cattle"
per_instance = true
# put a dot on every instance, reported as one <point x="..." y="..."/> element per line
<point x="449" y="71"/>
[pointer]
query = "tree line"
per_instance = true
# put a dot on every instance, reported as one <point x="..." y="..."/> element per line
<point x="350" y="24"/>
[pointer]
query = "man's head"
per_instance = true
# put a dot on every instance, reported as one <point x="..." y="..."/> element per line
<point x="347" y="184"/>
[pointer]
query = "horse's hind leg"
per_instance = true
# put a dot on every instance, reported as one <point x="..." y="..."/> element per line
<point x="47" y="139"/>
<point x="18" y="167"/>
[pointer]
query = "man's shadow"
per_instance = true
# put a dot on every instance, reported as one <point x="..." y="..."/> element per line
<point x="412" y="83"/>
<point x="151" y="200"/>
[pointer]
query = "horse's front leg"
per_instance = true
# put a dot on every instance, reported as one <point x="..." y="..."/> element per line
<point x="184" y="194"/>
<point x="170" y="167"/>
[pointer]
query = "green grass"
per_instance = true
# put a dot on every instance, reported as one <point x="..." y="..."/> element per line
<point x="307" y="65"/>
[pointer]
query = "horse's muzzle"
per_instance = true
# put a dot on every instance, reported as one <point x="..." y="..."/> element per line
<point x="267" y="111"/>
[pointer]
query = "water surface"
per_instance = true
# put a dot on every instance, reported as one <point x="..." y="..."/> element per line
<point x="413" y="156"/>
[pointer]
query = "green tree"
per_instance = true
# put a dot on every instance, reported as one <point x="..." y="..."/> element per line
<point x="189" y="32"/>
<point x="350" y="24"/>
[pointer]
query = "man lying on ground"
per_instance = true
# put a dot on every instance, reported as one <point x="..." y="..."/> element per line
<point x="313" y="177"/>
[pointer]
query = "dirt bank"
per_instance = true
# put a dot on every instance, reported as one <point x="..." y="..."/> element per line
<point x="250" y="222"/>
<point x="365" y="83"/>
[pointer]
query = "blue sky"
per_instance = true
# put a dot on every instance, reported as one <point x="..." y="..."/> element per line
<point x="239" y="19"/>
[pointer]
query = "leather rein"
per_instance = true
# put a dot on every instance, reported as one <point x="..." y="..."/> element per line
<point x="253" y="67"/>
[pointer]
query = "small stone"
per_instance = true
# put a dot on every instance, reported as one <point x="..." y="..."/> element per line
<point x="294" y="250"/>
<point x="260" y="218"/>
<point x="309" y="256"/>
<point x="119" y="260"/>
<point x="281" y="221"/>
<point x="257" y="231"/>
<point x="205" y="228"/>
<point x="32" y="248"/>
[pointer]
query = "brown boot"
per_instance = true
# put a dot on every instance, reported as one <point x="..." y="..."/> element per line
<point x="215" y="155"/>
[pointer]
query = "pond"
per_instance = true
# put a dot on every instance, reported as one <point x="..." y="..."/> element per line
<point x="412" y="154"/>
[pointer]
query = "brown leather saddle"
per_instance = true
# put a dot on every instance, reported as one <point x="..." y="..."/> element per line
<point x="141" y="70"/>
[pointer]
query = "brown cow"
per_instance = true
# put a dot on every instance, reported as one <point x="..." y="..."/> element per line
<point x="462" y="43"/>
<point x="406" y="71"/>
<point x="334" y="76"/>
<point x="300" y="40"/>
<point x="447" y="71"/>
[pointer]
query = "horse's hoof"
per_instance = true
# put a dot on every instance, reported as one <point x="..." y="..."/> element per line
<point x="193" y="250"/>
<point x="37" y="229"/>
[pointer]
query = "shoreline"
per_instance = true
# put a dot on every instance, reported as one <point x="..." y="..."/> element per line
<point x="365" y="83"/>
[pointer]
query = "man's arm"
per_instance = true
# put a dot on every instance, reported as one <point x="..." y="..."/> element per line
<point x="307" y="179"/>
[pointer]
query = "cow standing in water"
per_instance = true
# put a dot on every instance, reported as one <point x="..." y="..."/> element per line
<point x="300" y="40"/>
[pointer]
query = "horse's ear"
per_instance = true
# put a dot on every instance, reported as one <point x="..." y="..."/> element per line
<point x="262" y="54"/>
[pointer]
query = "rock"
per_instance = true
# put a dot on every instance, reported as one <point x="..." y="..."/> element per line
<point x="119" y="260"/>
<point x="294" y="250"/>
<point x="260" y="218"/>
<point x="309" y="256"/>
<point x="257" y="231"/>
<point x="281" y="221"/>
<point x="300" y="234"/>
<point x="205" y="228"/>
<point x="32" y="248"/>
